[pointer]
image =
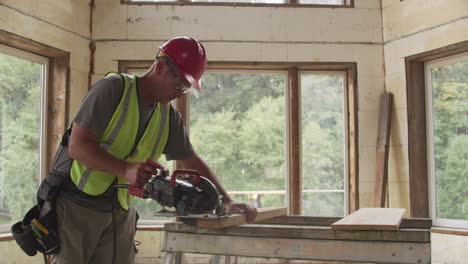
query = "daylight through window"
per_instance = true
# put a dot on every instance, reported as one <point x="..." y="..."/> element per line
<point x="22" y="124"/>
<point x="323" y="144"/>
<point x="238" y="125"/>
<point x="447" y="115"/>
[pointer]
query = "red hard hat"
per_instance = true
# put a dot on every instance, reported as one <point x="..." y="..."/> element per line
<point x="190" y="57"/>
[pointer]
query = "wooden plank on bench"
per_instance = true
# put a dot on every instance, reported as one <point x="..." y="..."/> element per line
<point x="211" y="221"/>
<point x="371" y="219"/>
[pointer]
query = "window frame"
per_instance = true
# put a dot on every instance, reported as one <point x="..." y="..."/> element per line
<point x="417" y="125"/>
<point x="56" y="90"/>
<point x="429" y="65"/>
<point x="57" y="87"/>
<point x="293" y="116"/>
<point x="290" y="3"/>
<point x="44" y="62"/>
<point x="346" y="131"/>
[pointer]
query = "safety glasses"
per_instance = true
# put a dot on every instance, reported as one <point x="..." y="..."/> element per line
<point x="181" y="84"/>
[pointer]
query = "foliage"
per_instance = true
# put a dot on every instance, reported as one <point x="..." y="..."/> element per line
<point x="239" y="127"/>
<point x="19" y="134"/>
<point x="452" y="181"/>
<point x="450" y="127"/>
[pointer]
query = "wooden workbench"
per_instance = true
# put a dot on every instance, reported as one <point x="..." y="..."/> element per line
<point x="306" y="238"/>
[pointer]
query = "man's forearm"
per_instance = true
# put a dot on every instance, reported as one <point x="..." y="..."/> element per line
<point x="95" y="157"/>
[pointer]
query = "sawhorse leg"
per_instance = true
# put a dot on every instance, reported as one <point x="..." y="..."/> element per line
<point x="227" y="259"/>
<point x="173" y="257"/>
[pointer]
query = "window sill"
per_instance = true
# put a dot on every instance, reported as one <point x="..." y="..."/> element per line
<point x="150" y="227"/>
<point x="6" y="237"/>
<point x="450" y="231"/>
<point x="233" y="4"/>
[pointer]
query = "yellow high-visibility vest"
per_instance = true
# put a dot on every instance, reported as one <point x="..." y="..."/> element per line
<point x="119" y="138"/>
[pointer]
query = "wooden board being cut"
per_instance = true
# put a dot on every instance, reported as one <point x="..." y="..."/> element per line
<point x="212" y="221"/>
<point x="371" y="219"/>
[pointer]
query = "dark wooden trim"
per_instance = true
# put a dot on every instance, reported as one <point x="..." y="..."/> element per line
<point x="58" y="102"/>
<point x="450" y="231"/>
<point x="92" y="51"/>
<point x="423" y="223"/>
<point x="300" y="220"/>
<point x="417" y="147"/>
<point x="351" y="124"/>
<point x="6" y="237"/>
<point x="286" y="5"/>
<point x="294" y="139"/>
<point x="446" y="51"/>
<point x="21" y="43"/>
<point x="157" y="227"/>
<point x="417" y="138"/>
<point x="316" y="66"/>
<point x="123" y="65"/>
<point x="58" y="86"/>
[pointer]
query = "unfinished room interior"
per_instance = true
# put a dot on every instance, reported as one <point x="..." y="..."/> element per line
<point x="363" y="159"/>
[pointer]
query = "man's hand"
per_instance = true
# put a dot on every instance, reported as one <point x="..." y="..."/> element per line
<point x="139" y="173"/>
<point x="241" y="208"/>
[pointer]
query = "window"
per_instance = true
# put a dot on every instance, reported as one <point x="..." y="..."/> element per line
<point x="321" y="3"/>
<point x="241" y="1"/>
<point x="419" y="143"/>
<point x="238" y="125"/>
<point x="323" y="144"/>
<point x="22" y="131"/>
<point x="447" y="134"/>
<point x="277" y="134"/>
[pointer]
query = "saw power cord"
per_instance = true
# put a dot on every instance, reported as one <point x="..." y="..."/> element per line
<point x="114" y="244"/>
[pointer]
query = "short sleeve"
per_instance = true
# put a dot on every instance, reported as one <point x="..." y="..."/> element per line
<point x="99" y="105"/>
<point x="178" y="145"/>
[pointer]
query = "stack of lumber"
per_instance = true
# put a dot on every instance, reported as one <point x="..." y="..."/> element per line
<point x="371" y="219"/>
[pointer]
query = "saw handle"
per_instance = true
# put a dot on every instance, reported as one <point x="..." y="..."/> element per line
<point x="194" y="173"/>
<point x="163" y="169"/>
<point x="137" y="191"/>
<point x="140" y="191"/>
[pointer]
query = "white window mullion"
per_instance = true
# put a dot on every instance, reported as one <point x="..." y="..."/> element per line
<point x="439" y="65"/>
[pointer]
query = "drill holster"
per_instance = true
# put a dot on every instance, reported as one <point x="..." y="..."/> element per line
<point x="38" y="229"/>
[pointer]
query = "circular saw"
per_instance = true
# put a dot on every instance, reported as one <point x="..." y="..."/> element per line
<point x="185" y="190"/>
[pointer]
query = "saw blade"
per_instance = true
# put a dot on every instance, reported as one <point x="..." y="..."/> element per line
<point x="192" y="219"/>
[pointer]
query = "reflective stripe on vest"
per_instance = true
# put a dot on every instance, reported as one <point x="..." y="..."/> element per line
<point x="118" y="139"/>
<point x="113" y="134"/>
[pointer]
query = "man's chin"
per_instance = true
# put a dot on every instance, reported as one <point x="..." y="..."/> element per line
<point x="167" y="100"/>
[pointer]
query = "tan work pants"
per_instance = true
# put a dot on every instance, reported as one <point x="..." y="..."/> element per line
<point x="87" y="236"/>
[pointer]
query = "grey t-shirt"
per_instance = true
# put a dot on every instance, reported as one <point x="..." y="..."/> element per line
<point x="97" y="109"/>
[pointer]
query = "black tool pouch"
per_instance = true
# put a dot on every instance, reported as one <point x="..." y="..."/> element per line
<point x="50" y="187"/>
<point x="25" y="238"/>
<point x="38" y="230"/>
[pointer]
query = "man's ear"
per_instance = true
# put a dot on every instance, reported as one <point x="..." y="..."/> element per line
<point x="160" y="67"/>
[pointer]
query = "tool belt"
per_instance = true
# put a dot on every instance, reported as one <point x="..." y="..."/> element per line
<point x="38" y="229"/>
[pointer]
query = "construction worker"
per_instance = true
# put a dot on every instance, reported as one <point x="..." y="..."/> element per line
<point x="123" y="121"/>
